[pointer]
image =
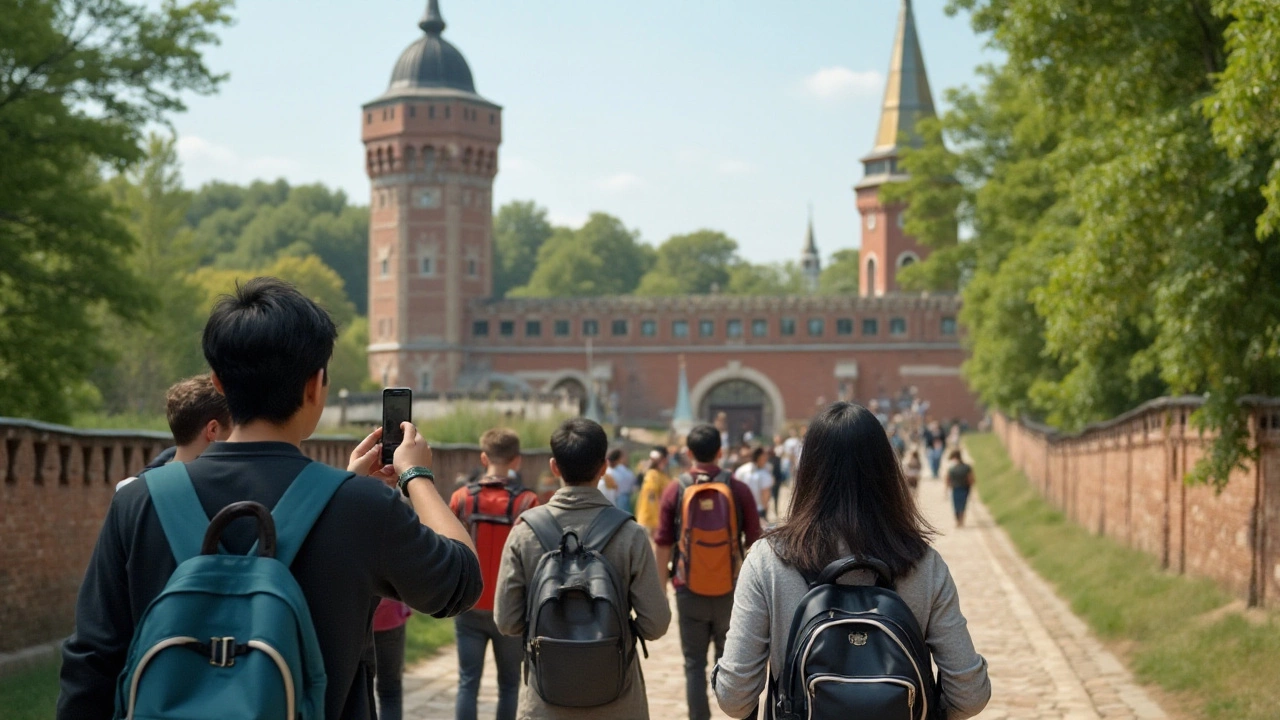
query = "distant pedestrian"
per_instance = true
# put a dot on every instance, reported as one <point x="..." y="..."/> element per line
<point x="960" y="479"/>
<point x="913" y="469"/>
<point x="937" y="448"/>
<point x="756" y="474"/>
<point x="489" y="507"/>
<point x="623" y="478"/>
<point x="654" y="484"/>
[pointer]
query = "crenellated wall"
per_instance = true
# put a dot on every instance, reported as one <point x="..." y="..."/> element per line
<point x="56" y="484"/>
<point x="1125" y="479"/>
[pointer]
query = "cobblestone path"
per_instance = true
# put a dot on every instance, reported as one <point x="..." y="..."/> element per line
<point x="1045" y="664"/>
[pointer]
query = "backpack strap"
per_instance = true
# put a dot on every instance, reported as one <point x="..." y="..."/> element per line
<point x="300" y="506"/>
<point x="605" y="525"/>
<point x="182" y="517"/>
<point x="544" y="527"/>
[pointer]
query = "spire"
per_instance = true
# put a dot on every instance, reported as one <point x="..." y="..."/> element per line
<point x="907" y="97"/>
<point x="810" y="260"/>
<point x="432" y="23"/>
<point x="810" y="247"/>
<point x="682" y="417"/>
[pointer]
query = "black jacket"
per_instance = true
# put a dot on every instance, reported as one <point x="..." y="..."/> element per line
<point x="366" y="543"/>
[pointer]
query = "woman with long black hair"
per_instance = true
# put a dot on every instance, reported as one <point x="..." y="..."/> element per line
<point x="849" y="497"/>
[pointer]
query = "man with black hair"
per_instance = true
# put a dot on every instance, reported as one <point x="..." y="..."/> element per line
<point x="704" y="619"/>
<point x="268" y="346"/>
<point x="578" y="450"/>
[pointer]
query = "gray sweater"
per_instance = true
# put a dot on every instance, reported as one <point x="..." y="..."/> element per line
<point x="768" y="593"/>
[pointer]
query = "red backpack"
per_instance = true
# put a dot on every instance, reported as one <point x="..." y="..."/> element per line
<point x="489" y="508"/>
<point x="709" y="547"/>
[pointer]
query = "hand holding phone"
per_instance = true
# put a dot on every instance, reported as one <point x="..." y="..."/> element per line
<point x="397" y="408"/>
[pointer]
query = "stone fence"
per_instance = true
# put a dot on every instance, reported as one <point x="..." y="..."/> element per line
<point x="56" y="484"/>
<point x="1125" y="479"/>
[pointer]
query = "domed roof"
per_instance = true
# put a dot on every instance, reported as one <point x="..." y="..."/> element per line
<point x="432" y="62"/>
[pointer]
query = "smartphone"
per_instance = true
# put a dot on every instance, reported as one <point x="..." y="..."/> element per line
<point x="397" y="407"/>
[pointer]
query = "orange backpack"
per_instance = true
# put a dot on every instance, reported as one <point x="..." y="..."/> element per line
<point x="489" y="510"/>
<point x="709" y="551"/>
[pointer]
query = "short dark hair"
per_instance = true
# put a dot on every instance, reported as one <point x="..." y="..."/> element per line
<point x="755" y="454"/>
<point x="189" y="406"/>
<point x="704" y="442"/>
<point x="615" y="455"/>
<point x="500" y="444"/>
<point x="264" y="342"/>
<point x="579" y="446"/>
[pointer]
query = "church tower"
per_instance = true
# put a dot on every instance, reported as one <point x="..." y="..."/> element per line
<point x="431" y="152"/>
<point x="886" y="248"/>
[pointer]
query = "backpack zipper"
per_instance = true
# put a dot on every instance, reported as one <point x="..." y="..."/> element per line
<point x="181" y="640"/>
<point x="911" y="690"/>
<point x="804" y="656"/>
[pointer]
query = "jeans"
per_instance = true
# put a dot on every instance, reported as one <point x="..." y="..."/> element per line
<point x="935" y="461"/>
<point x="475" y="629"/>
<point x="623" y="502"/>
<point x="388" y="646"/>
<point x="703" y="620"/>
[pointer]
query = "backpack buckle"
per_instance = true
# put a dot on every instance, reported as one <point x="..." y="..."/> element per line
<point x="222" y="652"/>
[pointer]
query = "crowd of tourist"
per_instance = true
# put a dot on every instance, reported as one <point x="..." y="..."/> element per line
<point x="566" y="592"/>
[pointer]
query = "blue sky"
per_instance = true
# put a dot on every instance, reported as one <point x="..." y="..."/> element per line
<point x="734" y="115"/>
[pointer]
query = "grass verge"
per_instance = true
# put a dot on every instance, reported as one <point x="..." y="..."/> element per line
<point x="1222" y="664"/>
<point x="32" y="693"/>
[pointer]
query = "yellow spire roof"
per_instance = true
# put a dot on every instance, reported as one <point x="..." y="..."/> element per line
<point x="907" y="97"/>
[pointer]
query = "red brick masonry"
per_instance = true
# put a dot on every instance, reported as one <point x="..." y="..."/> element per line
<point x="56" y="484"/>
<point x="1124" y="479"/>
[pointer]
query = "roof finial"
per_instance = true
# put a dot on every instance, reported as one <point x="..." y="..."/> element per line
<point x="432" y="23"/>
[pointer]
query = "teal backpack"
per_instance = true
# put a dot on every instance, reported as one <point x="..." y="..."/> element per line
<point x="230" y="636"/>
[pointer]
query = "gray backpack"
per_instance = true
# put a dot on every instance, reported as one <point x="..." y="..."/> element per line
<point x="579" y="639"/>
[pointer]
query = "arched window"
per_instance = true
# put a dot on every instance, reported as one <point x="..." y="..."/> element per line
<point x="907" y="258"/>
<point x="391" y="158"/>
<point x="428" y="158"/>
<point x="466" y="159"/>
<point x="410" y="159"/>
<point x="871" y="277"/>
<point x="380" y="160"/>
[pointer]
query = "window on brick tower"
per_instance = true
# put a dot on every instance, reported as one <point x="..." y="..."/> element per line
<point x="759" y="327"/>
<point x="428" y="265"/>
<point x="648" y="328"/>
<point x="480" y="328"/>
<point x="816" y="326"/>
<point x="948" y="326"/>
<point x="680" y="328"/>
<point x="897" y="326"/>
<point x="386" y="267"/>
<point x="619" y="327"/>
<point x="472" y="267"/>
<point x="533" y="328"/>
<point x="706" y="328"/>
<point x="507" y="328"/>
<point x="787" y="326"/>
<point x="870" y="326"/>
<point x="844" y="326"/>
<point x="733" y="329"/>
<point x="590" y="328"/>
<point x="562" y="328"/>
<point x="424" y="381"/>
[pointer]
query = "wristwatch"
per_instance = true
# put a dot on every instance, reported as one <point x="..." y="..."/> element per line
<point x="411" y="473"/>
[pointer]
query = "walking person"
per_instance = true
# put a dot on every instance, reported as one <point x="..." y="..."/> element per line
<point x="389" y="622"/>
<point x="756" y="474"/>
<point x="848" y="499"/>
<point x="489" y="508"/>
<point x="578" y="450"/>
<point x="198" y="417"/>
<point x="706" y="523"/>
<point x="623" y="478"/>
<point x="913" y="470"/>
<point x="654" y="484"/>
<point x="960" y="479"/>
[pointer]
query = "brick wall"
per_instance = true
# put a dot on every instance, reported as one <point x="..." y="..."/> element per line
<point x="1125" y="479"/>
<point x="56" y="484"/>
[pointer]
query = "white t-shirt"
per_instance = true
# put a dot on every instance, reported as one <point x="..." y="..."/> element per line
<point x="758" y="479"/>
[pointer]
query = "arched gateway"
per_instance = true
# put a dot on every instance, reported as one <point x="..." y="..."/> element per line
<point x="748" y="398"/>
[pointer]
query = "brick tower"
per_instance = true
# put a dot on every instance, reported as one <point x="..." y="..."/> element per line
<point x="886" y="249"/>
<point x="431" y="151"/>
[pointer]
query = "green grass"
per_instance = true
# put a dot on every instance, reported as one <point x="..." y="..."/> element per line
<point x="1222" y="666"/>
<point x="30" y="693"/>
<point x="424" y="635"/>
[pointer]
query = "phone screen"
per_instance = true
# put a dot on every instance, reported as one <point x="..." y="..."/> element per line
<point x="397" y="407"/>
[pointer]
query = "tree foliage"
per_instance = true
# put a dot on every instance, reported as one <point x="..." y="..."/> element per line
<point x="80" y="80"/>
<point x="1118" y="174"/>
<point x="602" y="257"/>
<point x="519" y="230"/>
<point x="841" y="274"/>
<point x="696" y="263"/>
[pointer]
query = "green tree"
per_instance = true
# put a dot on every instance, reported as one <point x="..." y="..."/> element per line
<point x="142" y="360"/>
<point x="311" y="276"/>
<point x="519" y="230"/>
<point x="349" y="367"/>
<point x="766" y="279"/>
<point x="696" y="263"/>
<point x="80" y="81"/>
<point x="600" y="258"/>
<point x="840" y="276"/>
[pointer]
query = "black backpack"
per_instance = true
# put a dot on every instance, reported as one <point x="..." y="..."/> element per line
<point x="855" y="651"/>
<point x="579" y="639"/>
